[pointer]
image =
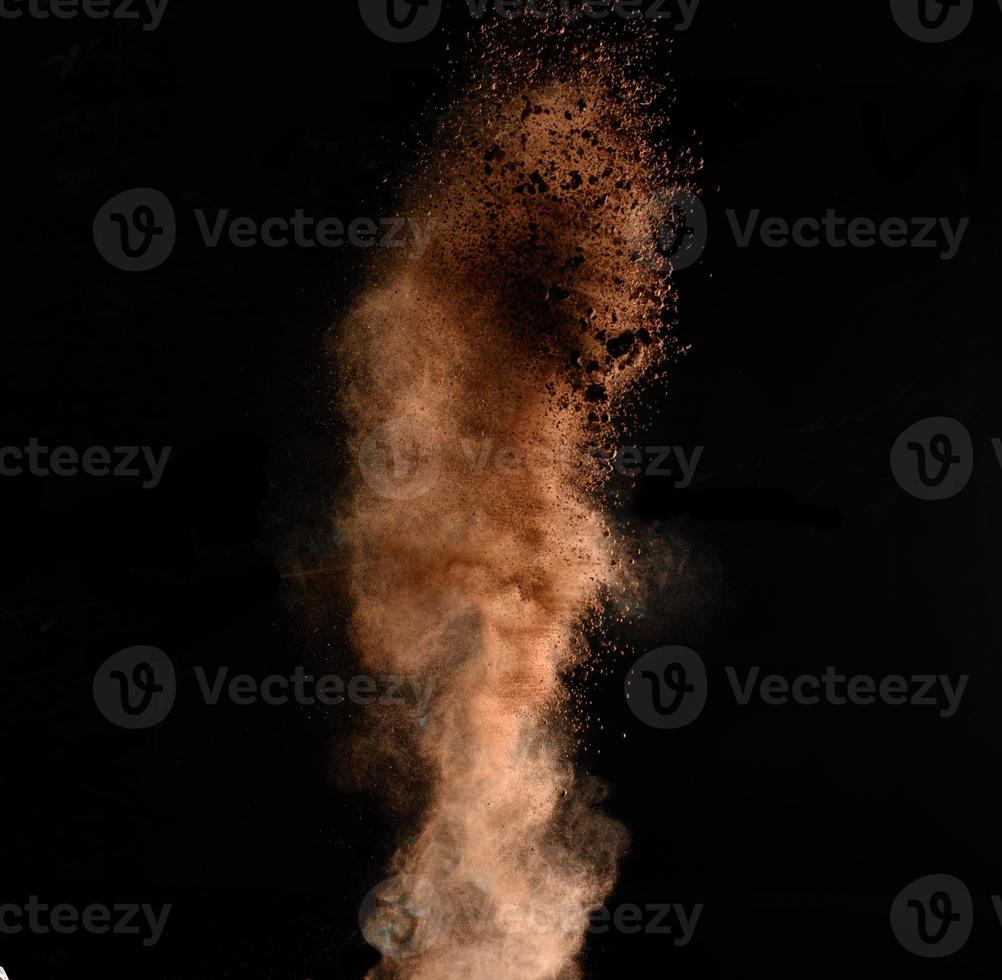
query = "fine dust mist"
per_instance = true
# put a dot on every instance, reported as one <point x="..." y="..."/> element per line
<point x="481" y="381"/>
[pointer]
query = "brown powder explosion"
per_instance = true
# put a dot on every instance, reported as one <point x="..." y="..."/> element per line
<point x="478" y="380"/>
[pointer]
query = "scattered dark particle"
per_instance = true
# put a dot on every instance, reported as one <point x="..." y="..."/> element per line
<point x="494" y="153"/>
<point x="575" y="358"/>
<point x="537" y="178"/>
<point x="576" y="180"/>
<point x="595" y="393"/>
<point x="644" y="336"/>
<point x="623" y="344"/>
<point x="592" y="366"/>
<point x="558" y="293"/>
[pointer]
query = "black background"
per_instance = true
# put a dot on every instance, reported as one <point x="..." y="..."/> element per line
<point x="794" y="548"/>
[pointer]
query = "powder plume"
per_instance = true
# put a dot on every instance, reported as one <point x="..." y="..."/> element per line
<point x="482" y="382"/>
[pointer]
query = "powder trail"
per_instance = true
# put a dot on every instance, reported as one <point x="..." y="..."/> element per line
<point x="478" y="379"/>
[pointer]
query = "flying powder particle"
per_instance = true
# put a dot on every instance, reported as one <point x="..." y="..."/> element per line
<point x="481" y="382"/>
